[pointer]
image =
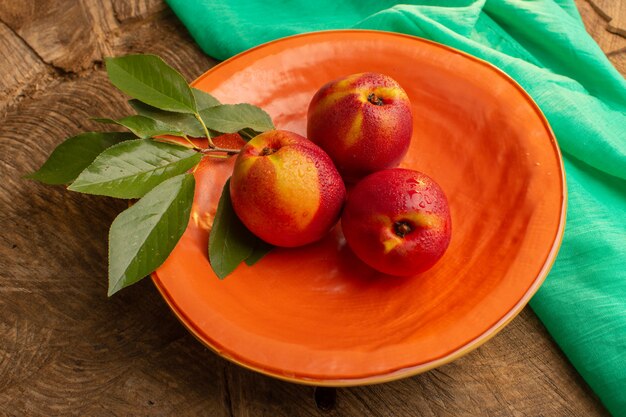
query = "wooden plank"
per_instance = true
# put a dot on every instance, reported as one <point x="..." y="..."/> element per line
<point x="20" y="66"/>
<point x="126" y="10"/>
<point x="70" y="37"/>
<point x="614" y="12"/>
<point x="65" y="349"/>
<point x="596" y="14"/>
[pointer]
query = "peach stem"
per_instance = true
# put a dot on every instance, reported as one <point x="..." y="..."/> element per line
<point x="374" y="99"/>
<point x="402" y="228"/>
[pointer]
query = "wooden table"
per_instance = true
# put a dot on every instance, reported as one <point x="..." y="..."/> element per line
<point x="65" y="349"/>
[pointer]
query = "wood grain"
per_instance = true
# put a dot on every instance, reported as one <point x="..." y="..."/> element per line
<point x="127" y="10"/>
<point x="614" y="12"/>
<point x="20" y="65"/>
<point x="597" y="21"/>
<point x="65" y="349"/>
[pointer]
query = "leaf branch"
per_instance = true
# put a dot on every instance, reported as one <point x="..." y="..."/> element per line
<point x="217" y="149"/>
<point x="206" y="131"/>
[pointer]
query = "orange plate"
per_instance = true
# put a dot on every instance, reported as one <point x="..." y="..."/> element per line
<point x="318" y="315"/>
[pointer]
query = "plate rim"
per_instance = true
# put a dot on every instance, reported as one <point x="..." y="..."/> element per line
<point x="463" y="349"/>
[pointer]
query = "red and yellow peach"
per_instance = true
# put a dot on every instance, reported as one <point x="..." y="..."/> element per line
<point x="363" y="121"/>
<point x="285" y="189"/>
<point x="397" y="221"/>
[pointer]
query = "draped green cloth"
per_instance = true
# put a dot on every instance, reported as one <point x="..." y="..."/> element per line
<point x="543" y="45"/>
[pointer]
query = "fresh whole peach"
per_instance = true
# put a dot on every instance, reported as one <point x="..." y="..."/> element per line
<point x="285" y="189"/>
<point x="363" y="121"/>
<point x="397" y="221"/>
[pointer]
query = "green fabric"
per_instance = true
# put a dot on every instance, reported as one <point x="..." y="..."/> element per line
<point x="544" y="46"/>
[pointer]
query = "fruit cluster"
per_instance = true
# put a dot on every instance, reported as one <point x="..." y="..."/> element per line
<point x="290" y="191"/>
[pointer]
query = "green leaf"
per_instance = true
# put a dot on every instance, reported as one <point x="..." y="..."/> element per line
<point x="231" y="118"/>
<point x="149" y="79"/>
<point x="183" y="122"/>
<point x="142" y="237"/>
<point x="248" y="134"/>
<point x="75" y="154"/>
<point x="186" y="123"/>
<point x="261" y="249"/>
<point x="132" y="168"/>
<point x="144" y="127"/>
<point x="230" y="242"/>
<point x="204" y="100"/>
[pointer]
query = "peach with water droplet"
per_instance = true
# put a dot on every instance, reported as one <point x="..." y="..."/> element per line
<point x="285" y="189"/>
<point x="363" y="121"/>
<point x="397" y="221"/>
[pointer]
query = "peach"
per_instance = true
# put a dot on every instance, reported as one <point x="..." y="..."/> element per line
<point x="363" y="121"/>
<point x="397" y="221"/>
<point x="285" y="189"/>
